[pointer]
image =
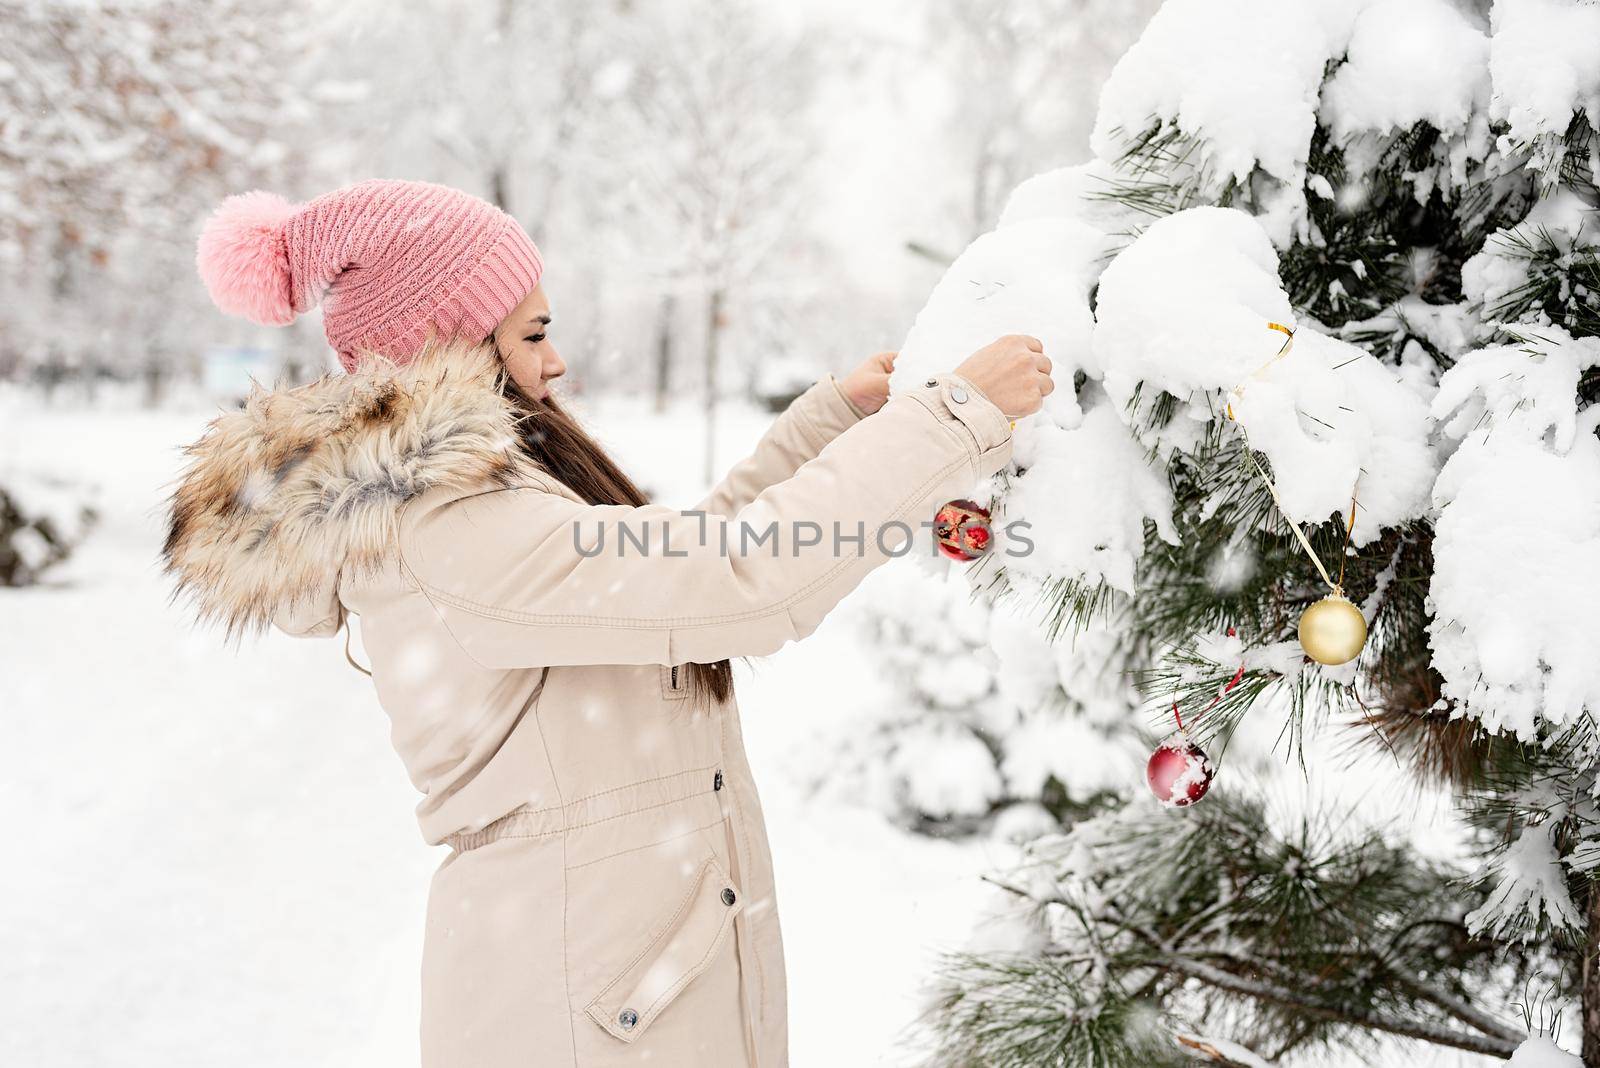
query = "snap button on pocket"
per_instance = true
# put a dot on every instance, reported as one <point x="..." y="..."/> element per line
<point x="687" y="941"/>
<point x="930" y="383"/>
<point x="958" y="394"/>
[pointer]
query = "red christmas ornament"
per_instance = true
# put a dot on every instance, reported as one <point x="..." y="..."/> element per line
<point x="962" y="528"/>
<point x="1179" y="772"/>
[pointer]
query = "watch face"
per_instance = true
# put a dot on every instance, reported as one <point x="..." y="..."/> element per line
<point x="962" y="530"/>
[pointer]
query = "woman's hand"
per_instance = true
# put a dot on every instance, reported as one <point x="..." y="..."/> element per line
<point x="868" y="385"/>
<point x="1013" y="372"/>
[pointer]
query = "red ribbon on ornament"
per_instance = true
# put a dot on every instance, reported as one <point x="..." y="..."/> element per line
<point x="1237" y="675"/>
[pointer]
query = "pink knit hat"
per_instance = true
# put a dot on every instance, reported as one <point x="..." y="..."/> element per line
<point x="389" y="261"/>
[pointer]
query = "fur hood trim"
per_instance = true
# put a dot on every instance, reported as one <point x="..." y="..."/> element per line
<point x="303" y="487"/>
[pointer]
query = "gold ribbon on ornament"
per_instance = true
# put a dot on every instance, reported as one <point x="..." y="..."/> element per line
<point x="1300" y="535"/>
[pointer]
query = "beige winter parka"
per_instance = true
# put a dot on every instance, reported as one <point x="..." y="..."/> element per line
<point x="608" y="898"/>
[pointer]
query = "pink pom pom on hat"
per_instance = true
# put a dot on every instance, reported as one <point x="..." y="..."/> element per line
<point x="391" y="263"/>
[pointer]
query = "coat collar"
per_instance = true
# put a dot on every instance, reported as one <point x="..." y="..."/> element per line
<point x="302" y="487"/>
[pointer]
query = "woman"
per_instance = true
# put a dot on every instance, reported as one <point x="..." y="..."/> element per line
<point x="565" y="710"/>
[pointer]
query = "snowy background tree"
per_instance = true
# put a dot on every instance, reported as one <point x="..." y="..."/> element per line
<point x="121" y="122"/>
<point x="975" y="722"/>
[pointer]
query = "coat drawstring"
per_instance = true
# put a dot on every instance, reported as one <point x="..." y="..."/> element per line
<point x="347" y="654"/>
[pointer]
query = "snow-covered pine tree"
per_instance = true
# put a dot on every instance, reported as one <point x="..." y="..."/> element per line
<point x="1409" y="186"/>
<point x="41" y="522"/>
<point x="1162" y="934"/>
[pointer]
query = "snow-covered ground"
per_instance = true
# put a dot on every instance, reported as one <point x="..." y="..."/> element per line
<point x="210" y="853"/>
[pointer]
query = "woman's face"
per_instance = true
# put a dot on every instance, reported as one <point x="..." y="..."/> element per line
<point x="524" y="343"/>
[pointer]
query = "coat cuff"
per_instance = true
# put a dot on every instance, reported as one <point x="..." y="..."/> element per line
<point x="849" y="404"/>
<point x="954" y="400"/>
<point x="824" y="412"/>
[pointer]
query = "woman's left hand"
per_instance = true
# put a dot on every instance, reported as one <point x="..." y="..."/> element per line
<point x="868" y="385"/>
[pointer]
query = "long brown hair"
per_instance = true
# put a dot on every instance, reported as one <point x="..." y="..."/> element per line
<point x="553" y="438"/>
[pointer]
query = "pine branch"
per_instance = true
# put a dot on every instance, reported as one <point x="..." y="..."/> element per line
<point x="1206" y="1048"/>
<point x="1457" y="1007"/>
<point x="1018" y="1011"/>
<point x="1310" y="937"/>
<point x="1287" y="979"/>
<point x="1073" y="605"/>
<point x="1372" y="1021"/>
<point x="1461" y="1010"/>
<point x="1561" y="282"/>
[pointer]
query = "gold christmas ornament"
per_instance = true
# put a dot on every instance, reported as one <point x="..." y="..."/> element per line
<point x="1333" y="631"/>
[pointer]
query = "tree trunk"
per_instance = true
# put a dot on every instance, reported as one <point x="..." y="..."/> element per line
<point x="1591" y="985"/>
<point x="664" y="321"/>
<point x="155" y="381"/>
<point x="713" y="338"/>
<point x="499" y="172"/>
<point x="500" y="189"/>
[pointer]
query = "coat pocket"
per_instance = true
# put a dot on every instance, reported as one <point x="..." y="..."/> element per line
<point x="684" y="947"/>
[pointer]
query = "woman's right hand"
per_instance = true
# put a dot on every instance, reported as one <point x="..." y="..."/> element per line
<point x="1013" y="372"/>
